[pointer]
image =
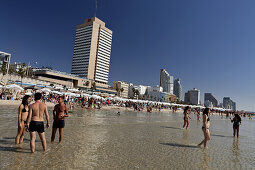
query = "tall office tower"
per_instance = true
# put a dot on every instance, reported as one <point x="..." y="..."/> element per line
<point x="166" y="81"/>
<point x="177" y="88"/>
<point x="211" y="98"/>
<point x="92" y="50"/>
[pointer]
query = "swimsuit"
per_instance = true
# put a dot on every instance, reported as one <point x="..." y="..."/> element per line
<point x="59" y="124"/>
<point x="36" y="126"/>
<point x="208" y="119"/>
<point x="236" y="123"/>
<point x="24" y="111"/>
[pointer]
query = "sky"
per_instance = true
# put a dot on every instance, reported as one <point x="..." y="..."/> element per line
<point x="209" y="45"/>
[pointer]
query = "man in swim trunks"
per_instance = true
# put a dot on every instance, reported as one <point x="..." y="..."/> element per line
<point x="59" y="113"/>
<point x="35" y="121"/>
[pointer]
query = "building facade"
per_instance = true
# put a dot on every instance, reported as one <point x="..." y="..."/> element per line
<point x="166" y="81"/>
<point x="5" y="59"/>
<point x="92" y="50"/>
<point x="119" y="86"/>
<point x="228" y="103"/>
<point x="192" y="97"/>
<point x="177" y="88"/>
<point x="211" y="98"/>
<point x="156" y="94"/>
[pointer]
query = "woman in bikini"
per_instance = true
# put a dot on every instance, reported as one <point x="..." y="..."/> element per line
<point x="186" y="117"/>
<point x="236" y="123"/>
<point x="22" y="117"/>
<point x="205" y="127"/>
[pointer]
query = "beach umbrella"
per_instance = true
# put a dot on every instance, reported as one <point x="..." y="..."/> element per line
<point x="29" y="93"/>
<point x="57" y="92"/>
<point x="45" y="90"/>
<point x="73" y="90"/>
<point x="15" y="87"/>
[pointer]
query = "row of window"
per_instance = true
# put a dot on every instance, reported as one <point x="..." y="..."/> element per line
<point x="101" y="41"/>
<point x="82" y="47"/>
<point x="104" y="67"/>
<point x="84" y="32"/>
<point x="100" y="53"/>
<point x="105" y="33"/>
<point x="106" y="49"/>
<point x="99" y="60"/>
<point x="84" y="37"/>
<point x="84" y="28"/>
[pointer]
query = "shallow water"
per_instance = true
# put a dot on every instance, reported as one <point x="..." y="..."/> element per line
<point x="97" y="139"/>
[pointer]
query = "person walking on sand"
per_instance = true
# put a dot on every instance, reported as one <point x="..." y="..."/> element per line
<point x="186" y="117"/>
<point x="59" y="113"/>
<point x="236" y="123"/>
<point x="205" y="127"/>
<point x="22" y="119"/>
<point x="36" y="116"/>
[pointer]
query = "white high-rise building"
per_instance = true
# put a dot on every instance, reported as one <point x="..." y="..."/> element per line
<point x="92" y="50"/>
<point x="166" y="81"/>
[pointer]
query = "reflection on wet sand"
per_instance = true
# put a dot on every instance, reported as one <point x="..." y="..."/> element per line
<point x="205" y="160"/>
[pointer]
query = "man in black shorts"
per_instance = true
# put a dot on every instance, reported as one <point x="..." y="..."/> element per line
<point x="59" y="113"/>
<point x="36" y="116"/>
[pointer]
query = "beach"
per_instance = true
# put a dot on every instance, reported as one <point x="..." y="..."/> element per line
<point x="99" y="139"/>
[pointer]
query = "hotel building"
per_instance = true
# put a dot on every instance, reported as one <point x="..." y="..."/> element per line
<point x="166" y="81"/>
<point x="92" y="50"/>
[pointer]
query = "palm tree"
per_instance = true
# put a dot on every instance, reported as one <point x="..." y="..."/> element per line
<point x="87" y="83"/>
<point x="118" y="90"/>
<point x="3" y="70"/>
<point x="93" y="86"/>
<point x="11" y="71"/>
<point x="134" y="92"/>
<point x="22" y="72"/>
<point x="121" y="90"/>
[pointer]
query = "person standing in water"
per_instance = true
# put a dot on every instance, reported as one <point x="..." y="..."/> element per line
<point x="205" y="127"/>
<point x="186" y="117"/>
<point x="22" y="119"/>
<point x="59" y="113"/>
<point x="36" y="116"/>
<point x="236" y="123"/>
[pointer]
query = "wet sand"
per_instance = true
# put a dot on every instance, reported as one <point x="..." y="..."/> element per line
<point x="99" y="139"/>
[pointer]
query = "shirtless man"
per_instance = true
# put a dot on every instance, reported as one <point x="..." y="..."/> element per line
<point x="59" y="113"/>
<point x="35" y="115"/>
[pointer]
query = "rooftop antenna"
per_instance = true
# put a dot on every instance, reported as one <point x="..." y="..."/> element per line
<point x="96" y="9"/>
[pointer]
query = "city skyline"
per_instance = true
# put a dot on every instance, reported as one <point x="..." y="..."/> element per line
<point x="193" y="41"/>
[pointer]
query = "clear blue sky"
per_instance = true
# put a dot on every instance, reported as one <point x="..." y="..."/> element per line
<point x="210" y="45"/>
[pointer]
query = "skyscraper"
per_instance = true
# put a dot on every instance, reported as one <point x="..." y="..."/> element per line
<point x="166" y="81"/>
<point x="177" y="88"/>
<point x="211" y="98"/>
<point x="92" y="50"/>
